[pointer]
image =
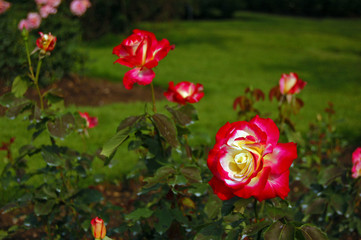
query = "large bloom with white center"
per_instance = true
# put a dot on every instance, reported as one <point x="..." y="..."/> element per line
<point x="184" y="92"/>
<point x="356" y="160"/>
<point x="247" y="161"/>
<point x="142" y="52"/>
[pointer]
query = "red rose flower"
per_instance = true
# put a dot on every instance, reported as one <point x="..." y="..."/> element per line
<point x="90" y="121"/>
<point x="98" y="228"/>
<point x="356" y="160"/>
<point x="247" y="160"/>
<point x="46" y="42"/>
<point x="184" y="92"/>
<point x="142" y="52"/>
<point x="291" y="84"/>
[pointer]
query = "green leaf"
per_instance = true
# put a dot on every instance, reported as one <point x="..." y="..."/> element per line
<point x="51" y="157"/>
<point x="107" y="238"/>
<point x="165" y="219"/>
<point x="184" y="115"/>
<point x="233" y="235"/>
<point x="3" y="234"/>
<point x="112" y="145"/>
<point x="138" y="214"/>
<point x="161" y="175"/>
<point x="61" y="126"/>
<point x="212" y="231"/>
<point x="279" y="231"/>
<point x="44" y="207"/>
<point x="311" y="232"/>
<point x="317" y="206"/>
<point x="128" y="122"/>
<point x="255" y="228"/>
<point x="166" y="128"/>
<point x="19" y="87"/>
<point x="192" y="174"/>
<point x="213" y="207"/>
<point x="228" y="206"/>
<point x="327" y="175"/>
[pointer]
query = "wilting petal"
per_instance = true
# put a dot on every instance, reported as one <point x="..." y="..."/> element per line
<point x="220" y="189"/>
<point x="276" y="186"/>
<point x="142" y="76"/>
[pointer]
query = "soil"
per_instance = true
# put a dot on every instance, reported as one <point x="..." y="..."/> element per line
<point x="81" y="91"/>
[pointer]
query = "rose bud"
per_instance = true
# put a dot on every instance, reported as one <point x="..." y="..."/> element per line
<point x="98" y="228"/>
<point x="184" y="92"/>
<point x="46" y="42"/>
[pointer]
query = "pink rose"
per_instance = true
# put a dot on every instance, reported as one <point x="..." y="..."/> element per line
<point x="23" y="24"/>
<point x="247" y="160"/>
<point x="46" y="10"/>
<point x="184" y="92"/>
<point x="79" y="7"/>
<point x="90" y="121"/>
<point x="142" y="52"/>
<point x="291" y="84"/>
<point x="46" y="42"/>
<point x="4" y="6"/>
<point x="53" y="3"/>
<point x="356" y="160"/>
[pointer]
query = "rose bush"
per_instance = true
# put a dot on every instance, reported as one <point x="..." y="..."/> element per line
<point x="142" y="52"/>
<point x="184" y="92"/>
<point x="247" y="160"/>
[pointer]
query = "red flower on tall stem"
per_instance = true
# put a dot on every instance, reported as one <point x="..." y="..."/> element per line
<point x="90" y="121"/>
<point x="46" y="42"/>
<point x="184" y="92"/>
<point x="142" y="52"/>
<point x="291" y="84"/>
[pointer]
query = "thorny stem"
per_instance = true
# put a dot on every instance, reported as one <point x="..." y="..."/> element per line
<point x="153" y="97"/>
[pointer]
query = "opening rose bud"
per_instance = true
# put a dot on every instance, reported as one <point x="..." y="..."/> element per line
<point x="184" y="92"/>
<point x="90" y="121"/>
<point x="46" y="42"/>
<point x="247" y="161"/>
<point x="98" y="228"/>
<point x="142" y="52"/>
<point x="291" y="84"/>
<point x="356" y="160"/>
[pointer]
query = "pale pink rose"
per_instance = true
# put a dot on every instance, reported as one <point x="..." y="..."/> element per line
<point x="23" y="24"/>
<point x="41" y="2"/>
<point x="46" y="10"/>
<point x="54" y="3"/>
<point x="34" y="20"/>
<point x="356" y="160"/>
<point x="79" y="7"/>
<point x="4" y="6"/>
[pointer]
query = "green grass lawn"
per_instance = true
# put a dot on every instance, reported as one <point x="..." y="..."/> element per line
<point x="226" y="57"/>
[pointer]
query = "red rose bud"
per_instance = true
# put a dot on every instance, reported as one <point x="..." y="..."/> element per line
<point x="98" y="228"/>
<point x="90" y="121"/>
<point x="141" y="51"/>
<point x="291" y="84"/>
<point x="247" y="161"/>
<point x="46" y="42"/>
<point x="184" y="92"/>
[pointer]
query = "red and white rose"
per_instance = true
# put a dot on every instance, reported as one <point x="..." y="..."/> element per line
<point x="247" y="161"/>
<point x="46" y="42"/>
<point x="184" y="92"/>
<point x="291" y="84"/>
<point x="141" y="51"/>
<point x="90" y="121"/>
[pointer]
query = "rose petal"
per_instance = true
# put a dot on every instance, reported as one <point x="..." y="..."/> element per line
<point x="276" y="186"/>
<point x="268" y="126"/>
<point x="142" y="76"/>
<point x="281" y="158"/>
<point x="220" y="189"/>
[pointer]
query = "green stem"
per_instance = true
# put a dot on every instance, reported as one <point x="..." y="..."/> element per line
<point x="153" y="97"/>
<point x="29" y="59"/>
<point x="36" y="82"/>
<point x="255" y="209"/>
